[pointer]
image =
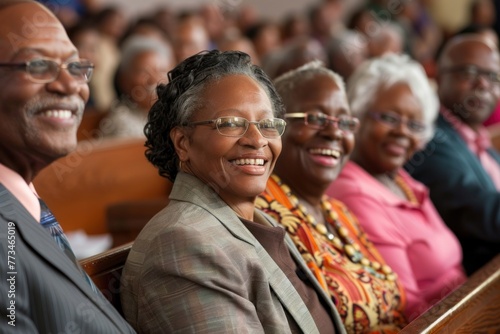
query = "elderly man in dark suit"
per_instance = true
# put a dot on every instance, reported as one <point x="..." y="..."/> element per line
<point x="44" y="89"/>
<point x="459" y="165"/>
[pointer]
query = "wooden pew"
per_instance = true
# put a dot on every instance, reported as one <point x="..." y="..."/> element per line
<point x="126" y="219"/>
<point x="472" y="308"/>
<point x="89" y="127"/>
<point x="105" y="270"/>
<point x="80" y="187"/>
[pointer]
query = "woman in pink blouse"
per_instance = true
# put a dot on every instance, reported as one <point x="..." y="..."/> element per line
<point x="397" y="107"/>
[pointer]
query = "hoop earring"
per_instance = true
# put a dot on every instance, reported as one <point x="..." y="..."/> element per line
<point x="180" y="165"/>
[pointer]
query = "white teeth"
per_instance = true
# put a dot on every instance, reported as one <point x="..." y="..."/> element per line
<point x="61" y="114"/>
<point x="325" y="151"/>
<point x="258" y="162"/>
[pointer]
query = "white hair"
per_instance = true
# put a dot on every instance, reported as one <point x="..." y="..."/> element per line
<point x="384" y="72"/>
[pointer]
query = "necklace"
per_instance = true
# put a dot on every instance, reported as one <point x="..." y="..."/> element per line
<point x="398" y="186"/>
<point x="342" y="240"/>
<point x="410" y="195"/>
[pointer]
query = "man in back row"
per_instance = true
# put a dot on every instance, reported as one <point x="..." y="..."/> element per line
<point x="459" y="165"/>
<point x="44" y="90"/>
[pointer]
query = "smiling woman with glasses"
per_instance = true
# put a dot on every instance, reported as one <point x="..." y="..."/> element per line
<point x="393" y="120"/>
<point x="396" y="106"/>
<point x="210" y="261"/>
<point x="316" y="145"/>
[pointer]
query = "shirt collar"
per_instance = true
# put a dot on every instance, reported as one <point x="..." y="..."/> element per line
<point x="477" y="141"/>
<point x="23" y="192"/>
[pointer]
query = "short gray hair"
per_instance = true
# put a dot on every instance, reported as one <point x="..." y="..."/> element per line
<point x="345" y="42"/>
<point x="287" y="82"/>
<point x="135" y="45"/>
<point x="384" y="72"/>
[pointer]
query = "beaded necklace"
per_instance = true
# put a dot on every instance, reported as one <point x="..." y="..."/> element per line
<point x="342" y="241"/>
<point x="410" y="195"/>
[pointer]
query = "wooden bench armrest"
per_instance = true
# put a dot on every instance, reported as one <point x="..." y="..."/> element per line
<point x="472" y="308"/>
<point x="105" y="269"/>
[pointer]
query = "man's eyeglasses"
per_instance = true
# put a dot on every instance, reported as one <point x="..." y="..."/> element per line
<point x="319" y="120"/>
<point x="233" y="126"/>
<point x="472" y="73"/>
<point x="45" y="70"/>
<point x="393" y="120"/>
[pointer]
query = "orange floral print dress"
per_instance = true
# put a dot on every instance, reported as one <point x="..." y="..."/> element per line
<point x="366" y="293"/>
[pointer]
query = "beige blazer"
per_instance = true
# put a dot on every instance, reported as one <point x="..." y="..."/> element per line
<point x="196" y="268"/>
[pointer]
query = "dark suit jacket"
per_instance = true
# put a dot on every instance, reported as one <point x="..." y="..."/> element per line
<point x="195" y="268"/>
<point x="41" y="288"/>
<point x="462" y="192"/>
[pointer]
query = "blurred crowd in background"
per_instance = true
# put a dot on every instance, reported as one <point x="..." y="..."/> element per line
<point x="131" y="55"/>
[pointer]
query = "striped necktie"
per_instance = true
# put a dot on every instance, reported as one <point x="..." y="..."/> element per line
<point x="49" y="222"/>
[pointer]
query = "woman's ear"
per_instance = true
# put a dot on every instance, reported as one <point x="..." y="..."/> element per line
<point x="180" y="139"/>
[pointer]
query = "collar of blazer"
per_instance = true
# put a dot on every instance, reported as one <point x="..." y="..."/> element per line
<point x="188" y="188"/>
<point x="34" y="235"/>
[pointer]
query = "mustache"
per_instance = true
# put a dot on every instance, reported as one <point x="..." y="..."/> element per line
<point x="44" y="102"/>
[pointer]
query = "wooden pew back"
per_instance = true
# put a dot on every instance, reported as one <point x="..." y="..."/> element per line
<point x="81" y="186"/>
<point x="105" y="270"/>
<point x="472" y="308"/>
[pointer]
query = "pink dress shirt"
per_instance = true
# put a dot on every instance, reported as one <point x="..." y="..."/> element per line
<point x="413" y="239"/>
<point x="477" y="142"/>
<point x="25" y="193"/>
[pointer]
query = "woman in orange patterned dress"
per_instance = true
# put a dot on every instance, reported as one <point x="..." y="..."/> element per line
<point x="316" y="144"/>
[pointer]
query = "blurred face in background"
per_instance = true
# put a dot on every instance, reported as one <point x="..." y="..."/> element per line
<point x="190" y="38"/>
<point x="140" y="78"/>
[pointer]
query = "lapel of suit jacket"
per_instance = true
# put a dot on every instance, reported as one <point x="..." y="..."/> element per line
<point x="337" y="320"/>
<point x="494" y="154"/>
<point x="460" y="148"/>
<point x="190" y="189"/>
<point x="42" y="243"/>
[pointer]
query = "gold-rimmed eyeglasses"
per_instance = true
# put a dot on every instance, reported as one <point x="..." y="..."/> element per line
<point x="233" y="126"/>
<point x="319" y="120"/>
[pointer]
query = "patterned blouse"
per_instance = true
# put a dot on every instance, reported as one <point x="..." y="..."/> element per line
<point x="367" y="300"/>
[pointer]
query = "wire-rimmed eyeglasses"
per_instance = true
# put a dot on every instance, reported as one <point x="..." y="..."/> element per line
<point x="45" y="70"/>
<point x="319" y="120"/>
<point x="233" y="126"/>
<point x="394" y="120"/>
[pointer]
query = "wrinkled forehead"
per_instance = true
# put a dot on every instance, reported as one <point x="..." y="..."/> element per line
<point x="29" y="25"/>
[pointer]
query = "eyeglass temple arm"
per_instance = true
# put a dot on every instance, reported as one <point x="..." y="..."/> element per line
<point x="13" y="65"/>
<point x="201" y="122"/>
